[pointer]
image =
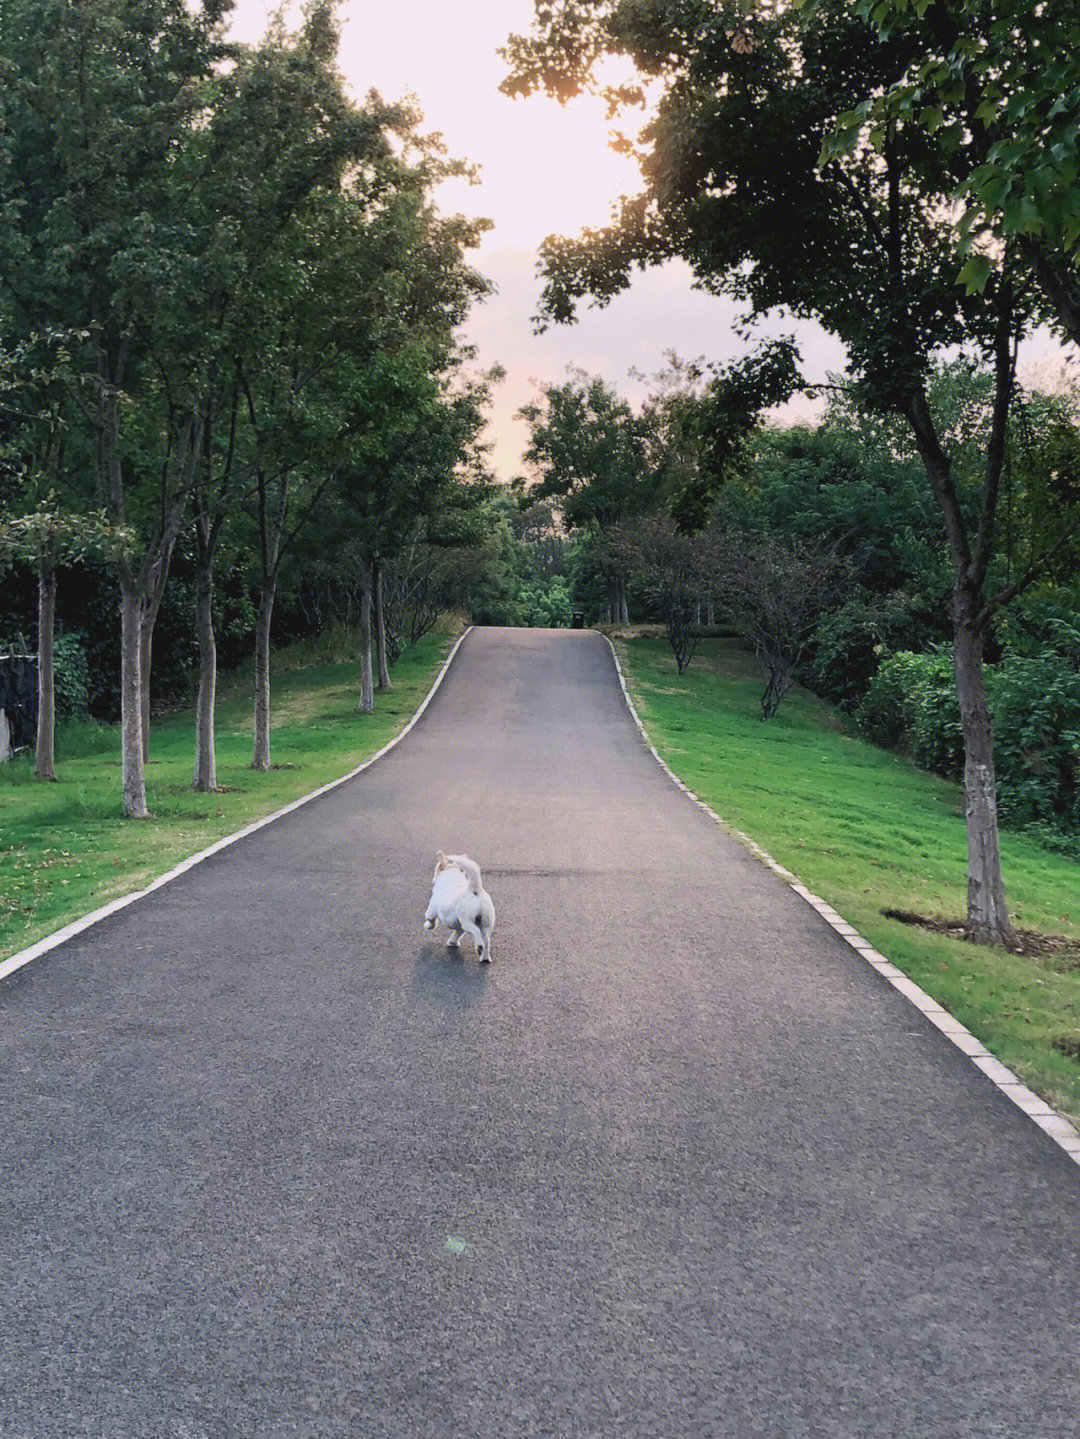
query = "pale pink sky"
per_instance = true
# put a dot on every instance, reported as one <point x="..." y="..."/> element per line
<point x="544" y="169"/>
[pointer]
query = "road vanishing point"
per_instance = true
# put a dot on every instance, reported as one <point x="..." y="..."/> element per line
<point x="677" y="1165"/>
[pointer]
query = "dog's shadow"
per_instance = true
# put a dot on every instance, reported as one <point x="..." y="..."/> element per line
<point x="450" y="979"/>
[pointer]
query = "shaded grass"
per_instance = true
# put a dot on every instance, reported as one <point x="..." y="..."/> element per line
<point x="65" y="848"/>
<point x="869" y="831"/>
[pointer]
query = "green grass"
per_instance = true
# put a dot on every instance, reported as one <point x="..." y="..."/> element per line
<point x="66" y="849"/>
<point x="868" y="831"/>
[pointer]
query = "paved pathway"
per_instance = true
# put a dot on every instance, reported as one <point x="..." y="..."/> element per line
<point x="678" y="1164"/>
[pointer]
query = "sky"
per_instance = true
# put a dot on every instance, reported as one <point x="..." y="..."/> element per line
<point x="545" y="169"/>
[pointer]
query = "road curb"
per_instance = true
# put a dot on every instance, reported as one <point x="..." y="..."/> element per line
<point x="1053" y="1124"/>
<point x="78" y="926"/>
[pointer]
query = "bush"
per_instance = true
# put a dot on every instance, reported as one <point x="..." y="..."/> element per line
<point x="884" y="714"/>
<point x="847" y="644"/>
<point x="72" y="676"/>
<point x="546" y="606"/>
<point x="1036" y="704"/>
<point x="936" y="737"/>
<point x="911" y="705"/>
<point x="1035" y="699"/>
<point x="71" y="679"/>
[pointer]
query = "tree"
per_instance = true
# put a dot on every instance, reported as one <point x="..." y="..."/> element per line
<point x="587" y="448"/>
<point x="864" y="240"/>
<point x="995" y="84"/>
<point x="419" y="457"/>
<point x="48" y="537"/>
<point x="774" y="596"/>
<point x="356" y="307"/>
<point x="267" y="185"/>
<point x="97" y="100"/>
<point x="678" y="571"/>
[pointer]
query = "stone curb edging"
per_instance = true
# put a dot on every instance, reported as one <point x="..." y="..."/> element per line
<point x="1060" y="1129"/>
<point x="77" y="926"/>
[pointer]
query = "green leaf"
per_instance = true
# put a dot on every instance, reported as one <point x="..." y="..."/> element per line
<point x="975" y="274"/>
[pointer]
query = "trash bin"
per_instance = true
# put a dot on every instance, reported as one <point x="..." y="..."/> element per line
<point x="578" y="621"/>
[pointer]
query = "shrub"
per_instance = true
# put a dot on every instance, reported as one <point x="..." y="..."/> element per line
<point x="936" y="737"/>
<point x="72" y="676"/>
<point x="884" y="713"/>
<point x="848" y="642"/>
<point x="1035" y="699"/>
<point x="911" y="704"/>
<point x="1036" y="704"/>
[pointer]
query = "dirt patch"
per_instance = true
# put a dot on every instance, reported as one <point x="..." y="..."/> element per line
<point x="1069" y="1045"/>
<point x="1062" y="950"/>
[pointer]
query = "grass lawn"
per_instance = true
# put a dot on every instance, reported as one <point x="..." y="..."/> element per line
<point x="65" y="848"/>
<point x="868" y="831"/>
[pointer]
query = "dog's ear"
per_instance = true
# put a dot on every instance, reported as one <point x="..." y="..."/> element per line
<point x="440" y="859"/>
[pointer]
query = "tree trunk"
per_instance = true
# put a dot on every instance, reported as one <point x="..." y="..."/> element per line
<point x="366" y="702"/>
<point x="146" y="644"/>
<point x="44" y="748"/>
<point x="380" y="625"/>
<point x="987" y="914"/>
<point x="260" y="758"/>
<point x="204" y="778"/>
<point x="131" y="697"/>
<point x="155" y="592"/>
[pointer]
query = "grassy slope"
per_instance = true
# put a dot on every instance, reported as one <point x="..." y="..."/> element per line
<point x="65" y="848"/>
<point x="866" y="830"/>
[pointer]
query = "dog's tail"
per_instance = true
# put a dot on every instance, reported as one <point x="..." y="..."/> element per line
<point x="470" y="869"/>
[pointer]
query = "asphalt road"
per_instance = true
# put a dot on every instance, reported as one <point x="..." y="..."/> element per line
<point x="677" y="1164"/>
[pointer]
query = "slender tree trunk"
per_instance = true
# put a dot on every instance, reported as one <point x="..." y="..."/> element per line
<point x="134" y="779"/>
<point x="619" y="614"/>
<point x="155" y="592"/>
<point x="204" y="778"/>
<point x="380" y="625"/>
<point x="366" y="702"/>
<point x="987" y="913"/>
<point x="44" y="748"/>
<point x="260" y="757"/>
<point x="146" y="645"/>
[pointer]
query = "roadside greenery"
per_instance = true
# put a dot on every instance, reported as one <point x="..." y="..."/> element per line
<point x="229" y="314"/>
<point x="827" y="556"/>
<point x="763" y="169"/>
<point x="65" y="848"/>
<point x="869" y="832"/>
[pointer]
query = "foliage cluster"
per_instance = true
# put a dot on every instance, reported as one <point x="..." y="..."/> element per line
<point x="825" y="553"/>
<point x="229" y="354"/>
<point x="910" y="705"/>
<point x="812" y="156"/>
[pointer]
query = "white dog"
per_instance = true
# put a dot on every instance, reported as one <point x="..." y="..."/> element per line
<point x="459" y="899"/>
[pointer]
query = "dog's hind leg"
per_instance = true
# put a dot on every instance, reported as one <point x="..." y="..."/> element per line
<point x="455" y="937"/>
<point x="480" y="939"/>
